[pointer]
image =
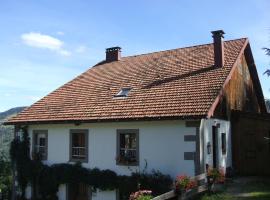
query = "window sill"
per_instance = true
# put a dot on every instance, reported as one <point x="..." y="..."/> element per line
<point x="78" y="160"/>
<point x="122" y="163"/>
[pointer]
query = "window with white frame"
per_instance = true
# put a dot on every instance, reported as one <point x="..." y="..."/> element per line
<point x="40" y="144"/>
<point x="128" y="146"/>
<point x="79" y="145"/>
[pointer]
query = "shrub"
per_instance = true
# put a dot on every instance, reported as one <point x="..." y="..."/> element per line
<point x="216" y="175"/>
<point x="5" y="176"/>
<point x="185" y="183"/>
<point x="141" y="195"/>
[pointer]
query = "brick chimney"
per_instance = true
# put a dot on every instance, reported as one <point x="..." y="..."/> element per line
<point x="113" y="54"/>
<point x="218" y="47"/>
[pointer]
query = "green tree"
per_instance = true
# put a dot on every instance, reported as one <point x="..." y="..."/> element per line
<point x="5" y="176"/>
<point x="267" y="52"/>
<point x="267" y="102"/>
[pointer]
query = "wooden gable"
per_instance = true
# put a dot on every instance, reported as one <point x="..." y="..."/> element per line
<point x="243" y="91"/>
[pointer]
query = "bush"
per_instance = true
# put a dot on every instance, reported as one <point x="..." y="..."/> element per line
<point x="141" y="195"/>
<point x="5" y="176"/>
<point x="48" y="178"/>
<point x="184" y="183"/>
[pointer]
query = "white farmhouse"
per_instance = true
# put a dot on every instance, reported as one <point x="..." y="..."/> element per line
<point x="170" y="109"/>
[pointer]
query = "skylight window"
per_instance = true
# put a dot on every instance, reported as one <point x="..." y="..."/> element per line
<point x="123" y="92"/>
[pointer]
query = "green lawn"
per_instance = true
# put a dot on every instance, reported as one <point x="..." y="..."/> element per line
<point x="254" y="189"/>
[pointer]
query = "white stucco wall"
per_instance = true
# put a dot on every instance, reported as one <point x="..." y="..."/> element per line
<point x="62" y="193"/>
<point x="224" y="160"/>
<point x="104" y="195"/>
<point x="161" y="144"/>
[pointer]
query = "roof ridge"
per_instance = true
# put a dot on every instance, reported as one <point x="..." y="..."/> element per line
<point x="185" y="47"/>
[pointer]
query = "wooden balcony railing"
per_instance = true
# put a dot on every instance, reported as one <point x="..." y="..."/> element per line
<point x="128" y="155"/>
<point x="78" y="152"/>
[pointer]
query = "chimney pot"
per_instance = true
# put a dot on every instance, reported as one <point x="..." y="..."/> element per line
<point x="218" y="47"/>
<point x="113" y="54"/>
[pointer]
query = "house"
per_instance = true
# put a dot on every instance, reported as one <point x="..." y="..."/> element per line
<point x="170" y="109"/>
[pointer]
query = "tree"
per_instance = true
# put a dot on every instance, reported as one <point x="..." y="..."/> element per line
<point x="5" y="176"/>
<point x="267" y="102"/>
<point x="267" y="52"/>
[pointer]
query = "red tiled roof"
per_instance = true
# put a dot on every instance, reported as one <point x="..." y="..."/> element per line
<point x="174" y="83"/>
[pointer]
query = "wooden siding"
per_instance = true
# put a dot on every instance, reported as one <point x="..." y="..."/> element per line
<point x="239" y="93"/>
<point x="250" y="143"/>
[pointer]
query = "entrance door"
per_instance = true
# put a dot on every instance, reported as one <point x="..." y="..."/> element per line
<point x="214" y="143"/>
<point x="79" y="192"/>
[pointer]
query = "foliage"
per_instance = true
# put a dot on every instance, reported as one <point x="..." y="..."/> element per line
<point x="19" y="152"/>
<point x="5" y="176"/>
<point x="6" y="131"/>
<point x="216" y="196"/>
<point x="6" y="136"/>
<point x="267" y="52"/>
<point x="141" y="195"/>
<point x="48" y="178"/>
<point x="267" y="102"/>
<point x="184" y="182"/>
<point x="216" y="175"/>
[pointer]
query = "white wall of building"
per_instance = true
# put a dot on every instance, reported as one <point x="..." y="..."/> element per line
<point x="224" y="160"/>
<point x="104" y="195"/>
<point x="161" y="144"/>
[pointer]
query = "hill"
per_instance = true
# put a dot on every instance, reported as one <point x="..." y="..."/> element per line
<point x="6" y="132"/>
<point x="10" y="113"/>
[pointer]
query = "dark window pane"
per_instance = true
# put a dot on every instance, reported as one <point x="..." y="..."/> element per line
<point x="128" y="147"/>
<point x="42" y="142"/>
<point x="223" y="143"/>
<point x="78" y="145"/>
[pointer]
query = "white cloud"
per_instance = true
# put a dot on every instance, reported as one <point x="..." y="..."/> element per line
<point x="64" y="52"/>
<point x="81" y="49"/>
<point x="60" y="33"/>
<point x="39" y="40"/>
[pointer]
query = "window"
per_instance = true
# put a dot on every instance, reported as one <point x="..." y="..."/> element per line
<point x="223" y="143"/>
<point x="79" y="145"/>
<point x="123" y="92"/>
<point x="128" y="146"/>
<point x="40" y="143"/>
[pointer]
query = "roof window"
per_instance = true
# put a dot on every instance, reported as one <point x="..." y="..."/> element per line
<point x="123" y="92"/>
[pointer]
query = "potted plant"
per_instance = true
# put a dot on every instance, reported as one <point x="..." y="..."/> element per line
<point x="141" y="195"/>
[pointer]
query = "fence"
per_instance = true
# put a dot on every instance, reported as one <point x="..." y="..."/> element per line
<point x="202" y="186"/>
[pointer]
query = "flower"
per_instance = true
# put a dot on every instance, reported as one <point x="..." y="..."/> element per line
<point x="184" y="182"/>
<point x="217" y="175"/>
<point x="141" y="195"/>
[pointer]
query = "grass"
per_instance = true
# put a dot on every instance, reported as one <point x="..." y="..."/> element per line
<point x="216" y="197"/>
<point x="254" y="189"/>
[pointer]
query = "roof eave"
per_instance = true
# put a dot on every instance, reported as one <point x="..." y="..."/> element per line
<point x="191" y="117"/>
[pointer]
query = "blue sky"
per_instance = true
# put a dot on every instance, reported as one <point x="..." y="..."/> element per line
<point x="44" y="44"/>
